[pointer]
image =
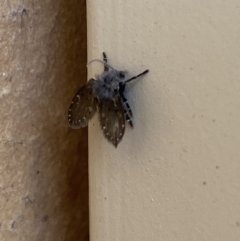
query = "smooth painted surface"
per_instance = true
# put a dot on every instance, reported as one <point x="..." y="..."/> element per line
<point x="176" y="175"/>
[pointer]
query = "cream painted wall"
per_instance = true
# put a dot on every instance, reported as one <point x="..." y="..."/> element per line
<point x="176" y="175"/>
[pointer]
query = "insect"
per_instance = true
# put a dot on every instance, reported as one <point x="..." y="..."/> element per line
<point x="105" y="95"/>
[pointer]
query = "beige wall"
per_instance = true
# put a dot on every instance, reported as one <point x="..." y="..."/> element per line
<point x="43" y="163"/>
<point x="176" y="175"/>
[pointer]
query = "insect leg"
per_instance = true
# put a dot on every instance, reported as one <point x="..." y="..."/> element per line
<point x="106" y="67"/>
<point x="127" y="110"/>
<point x="135" y="77"/>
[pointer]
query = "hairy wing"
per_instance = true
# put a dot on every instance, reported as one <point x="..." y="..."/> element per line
<point x="83" y="107"/>
<point x="112" y="119"/>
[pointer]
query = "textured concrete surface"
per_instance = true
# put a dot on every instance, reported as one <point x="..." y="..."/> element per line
<point x="176" y="175"/>
<point x="43" y="163"/>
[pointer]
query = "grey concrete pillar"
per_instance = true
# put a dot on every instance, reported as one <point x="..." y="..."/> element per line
<point x="43" y="163"/>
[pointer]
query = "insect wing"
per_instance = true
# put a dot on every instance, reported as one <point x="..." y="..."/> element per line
<point x="83" y="107"/>
<point x="112" y="120"/>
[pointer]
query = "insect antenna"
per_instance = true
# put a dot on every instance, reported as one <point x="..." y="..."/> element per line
<point x="103" y="62"/>
<point x="135" y="77"/>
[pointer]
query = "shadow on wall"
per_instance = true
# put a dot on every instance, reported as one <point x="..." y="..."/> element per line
<point x="66" y="165"/>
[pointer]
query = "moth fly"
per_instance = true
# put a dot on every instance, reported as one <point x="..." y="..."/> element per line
<point x="105" y="95"/>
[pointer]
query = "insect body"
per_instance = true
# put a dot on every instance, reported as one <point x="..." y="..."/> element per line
<point x="105" y="93"/>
